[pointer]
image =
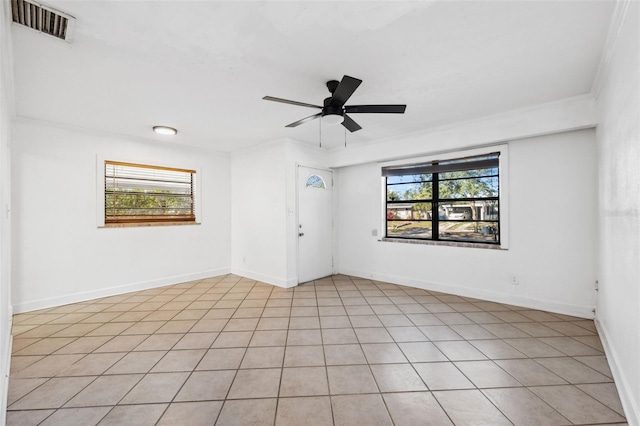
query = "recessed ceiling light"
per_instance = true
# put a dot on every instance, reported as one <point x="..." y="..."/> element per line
<point x="164" y="130"/>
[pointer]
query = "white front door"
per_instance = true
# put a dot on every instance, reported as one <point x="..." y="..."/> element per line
<point x="315" y="223"/>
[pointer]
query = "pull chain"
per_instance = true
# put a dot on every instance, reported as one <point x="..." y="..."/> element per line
<point x="320" y="121"/>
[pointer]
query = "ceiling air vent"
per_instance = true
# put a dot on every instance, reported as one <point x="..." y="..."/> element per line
<point x="42" y="19"/>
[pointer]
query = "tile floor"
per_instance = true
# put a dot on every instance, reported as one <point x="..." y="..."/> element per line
<point x="342" y="350"/>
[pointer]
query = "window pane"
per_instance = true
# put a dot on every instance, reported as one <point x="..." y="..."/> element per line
<point x="468" y="210"/>
<point x="392" y="180"/>
<point x="139" y="193"/>
<point x="484" y="232"/>
<point x="469" y="188"/>
<point x="315" y="181"/>
<point x="409" y="229"/>
<point x="493" y="171"/>
<point x="410" y="191"/>
<point x="409" y="211"/>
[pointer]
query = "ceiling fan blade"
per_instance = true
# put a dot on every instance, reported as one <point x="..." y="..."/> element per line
<point x="351" y="125"/>
<point x="304" y="120"/>
<point x="286" y="101"/>
<point x="393" y="109"/>
<point x="345" y="89"/>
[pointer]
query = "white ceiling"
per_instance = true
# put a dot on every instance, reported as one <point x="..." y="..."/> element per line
<point x="203" y="66"/>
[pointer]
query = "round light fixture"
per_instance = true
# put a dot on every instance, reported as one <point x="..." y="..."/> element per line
<point x="332" y="118"/>
<point x="164" y="130"/>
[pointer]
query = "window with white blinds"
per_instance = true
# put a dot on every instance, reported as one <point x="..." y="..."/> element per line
<point x="139" y="193"/>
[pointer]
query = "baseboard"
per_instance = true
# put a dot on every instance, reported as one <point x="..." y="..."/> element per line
<point x="629" y="403"/>
<point x="545" y="305"/>
<point x="116" y="290"/>
<point x="279" y="282"/>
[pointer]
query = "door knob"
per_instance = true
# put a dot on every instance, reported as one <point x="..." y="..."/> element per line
<point x="300" y="234"/>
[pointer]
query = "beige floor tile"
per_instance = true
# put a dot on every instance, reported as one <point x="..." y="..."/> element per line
<point x="460" y="351"/>
<point x="156" y="387"/>
<point x="533" y="348"/>
<point x="206" y="385"/>
<point x="42" y="330"/>
<point x="598" y="363"/>
<point x="605" y="393"/>
<point x="535" y="329"/>
<point x="27" y="417"/>
<point x="397" y="378"/>
<point x="407" y="334"/>
<point x="504" y="331"/>
<point x="92" y="364"/>
<point x="198" y="413"/>
<point x="351" y="379"/>
<point x="523" y="407"/>
<point x="304" y="356"/>
<point x="269" y="338"/>
<point x="439" y="333"/>
<point x="472" y="332"/>
<point x="336" y="336"/>
<point x="208" y="326"/>
<point x="442" y="376"/>
<point x="136" y="362"/>
<point x="569" y="346"/>
<point x="222" y="359"/>
<point x="338" y="322"/>
<point x="573" y="371"/>
<point x="257" y="383"/>
<point x="105" y="390"/>
<point x="121" y="344"/>
<point x="470" y="407"/>
<point x="89" y="416"/>
<point x="344" y="354"/>
<point x="422" y="352"/>
<point x="179" y="360"/>
<point x="304" y="337"/>
<point x="20" y="387"/>
<point x="19" y="363"/>
<point x="576" y="405"/>
<point x="304" y="323"/>
<point x="158" y="342"/>
<point x="143" y="327"/>
<point x="84" y="345"/>
<point x="52" y="394"/>
<point x="139" y="415"/>
<point x="281" y="312"/>
<point x="304" y="381"/>
<point x="241" y="324"/>
<point x="497" y="349"/>
<point x="383" y="353"/>
<point x="365" y="321"/>
<point x="49" y="366"/>
<point x="110" y="329"/>
<point x="233" y="339"/>
<point x="373" y="335"/>
<point x="76" y="330"/>
<point x="46" y="346"/>
<point x="263" y="357"/>
<point x="19" y="344"/>
<point x="359" y="410"/>
<point x="304" y="411"/>
<point x="196" y="341"/>
<point x="273" y="324"/>
<point x="593" y="341"/>
<point x="415" y="408"/>
<point x="255" y="412"/>
<point x="486" y="374"/>
<point x="530" y="373"/>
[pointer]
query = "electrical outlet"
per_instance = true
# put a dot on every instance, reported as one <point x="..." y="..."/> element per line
<point x="513" y="278"/>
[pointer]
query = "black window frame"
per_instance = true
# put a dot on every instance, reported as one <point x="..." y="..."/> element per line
<point x="431" y="172"/>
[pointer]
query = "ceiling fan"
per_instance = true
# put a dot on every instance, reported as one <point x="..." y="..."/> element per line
<point x="334" y="107"/>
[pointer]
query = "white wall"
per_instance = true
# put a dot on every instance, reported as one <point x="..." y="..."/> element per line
<point x="552" y="232"/>
<point x="6" y="114"/>
<point x="258" y="211"/>
<point x="618" y="141"/>
<point x="59" y="253"/>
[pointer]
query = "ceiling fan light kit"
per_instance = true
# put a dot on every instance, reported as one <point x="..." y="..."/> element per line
<point x="334" y="109"/>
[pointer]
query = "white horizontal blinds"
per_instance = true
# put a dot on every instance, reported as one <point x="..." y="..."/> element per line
<point x="488" y="161"/>
<point x="143" y="193"/>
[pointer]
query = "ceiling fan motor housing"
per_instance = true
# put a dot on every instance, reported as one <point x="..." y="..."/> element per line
<point x="330" y="109"/>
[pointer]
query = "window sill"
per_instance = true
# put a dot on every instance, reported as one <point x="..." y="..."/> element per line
<point x="143" y="224"/>
<point x="443" y="243"/>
